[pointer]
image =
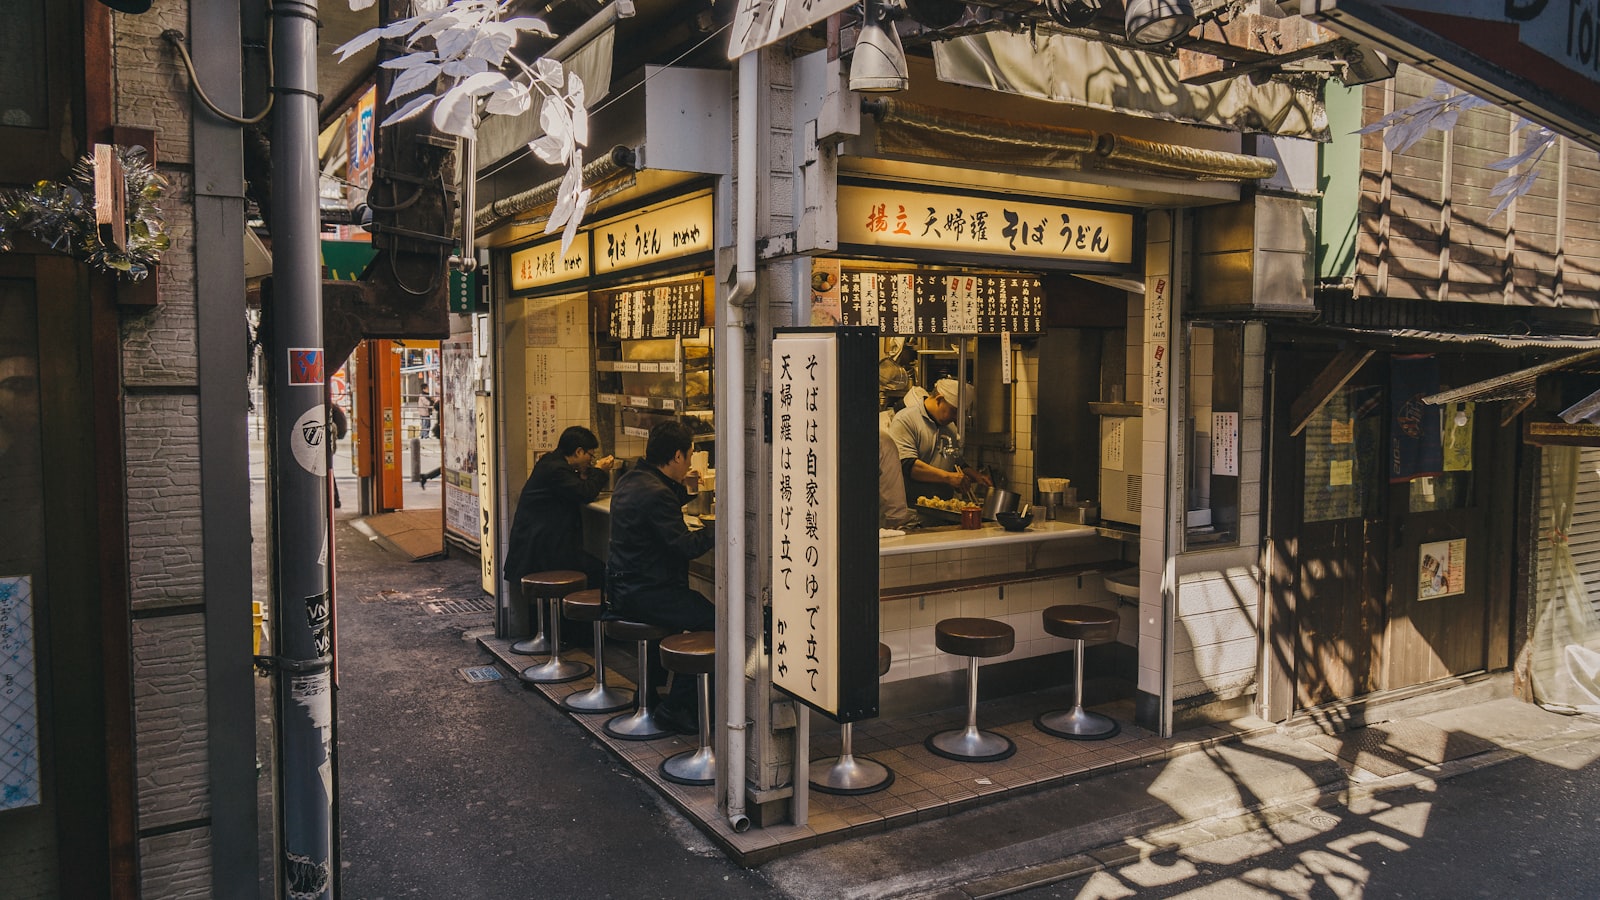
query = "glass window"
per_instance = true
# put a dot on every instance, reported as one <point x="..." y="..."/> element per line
<point x="1343" y="464"/>
<point x="1216" y="391"/>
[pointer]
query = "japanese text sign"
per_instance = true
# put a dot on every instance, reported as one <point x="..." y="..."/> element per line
<point x="824" y="522"/>
<point x="656" y="234"/>
<point x="542" y="264"/>
<point x="886" y="217"/>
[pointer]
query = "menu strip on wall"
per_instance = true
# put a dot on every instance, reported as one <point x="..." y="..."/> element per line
<point x="928" y="303"/>
<point x="668" y="309"/>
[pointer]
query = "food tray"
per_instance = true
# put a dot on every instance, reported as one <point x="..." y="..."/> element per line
<point x="935" y="514"/>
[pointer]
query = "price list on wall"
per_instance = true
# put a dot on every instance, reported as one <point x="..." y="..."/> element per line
<point x="672" y="309"/>
<point x="925" y="303"/>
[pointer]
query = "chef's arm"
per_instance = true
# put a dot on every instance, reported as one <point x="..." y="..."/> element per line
<point x="917" y="470"/>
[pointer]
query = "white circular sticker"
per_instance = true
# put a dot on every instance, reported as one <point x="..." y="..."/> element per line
<point x="309" y="441"/>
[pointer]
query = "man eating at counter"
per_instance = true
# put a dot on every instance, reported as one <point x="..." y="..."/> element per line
<point x="651" y="546"/>
<point x="547" y="531"/>
<point x="917" y="430"/>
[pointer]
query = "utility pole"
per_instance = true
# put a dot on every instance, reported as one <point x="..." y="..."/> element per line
<point x="297" y="468"/>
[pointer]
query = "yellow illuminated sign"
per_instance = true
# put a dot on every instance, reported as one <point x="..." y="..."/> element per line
<point x="542" y="264"/>
<point x="678" y="229"/>
<point x="876" y="216"/>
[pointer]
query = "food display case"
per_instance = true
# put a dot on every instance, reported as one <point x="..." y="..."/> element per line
<point x="649" y="381"/>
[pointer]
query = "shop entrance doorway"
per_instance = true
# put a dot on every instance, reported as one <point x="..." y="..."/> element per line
<point x="1391" y="528"/>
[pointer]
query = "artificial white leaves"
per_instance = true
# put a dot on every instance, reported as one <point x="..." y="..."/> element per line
<point x="1439" y="112"/>
<point x="461" y="50"/>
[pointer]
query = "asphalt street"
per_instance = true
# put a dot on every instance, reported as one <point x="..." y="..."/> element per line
<point x="1522" y="829"/>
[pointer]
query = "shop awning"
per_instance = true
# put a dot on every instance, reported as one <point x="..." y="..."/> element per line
<point x="1523" y="384"/>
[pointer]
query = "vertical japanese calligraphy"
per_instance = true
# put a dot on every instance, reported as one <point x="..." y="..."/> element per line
<point x="1156" y="337"/>
<point x="925" y="303"/>
<point x="668" y="309"/>
<point x="805" y="491"/>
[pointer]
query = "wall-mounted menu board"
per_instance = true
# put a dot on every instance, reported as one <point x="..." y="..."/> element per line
<point x="667" y="309"/>
<point x="926" y="303"/>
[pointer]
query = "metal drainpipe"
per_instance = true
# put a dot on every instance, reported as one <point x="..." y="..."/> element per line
<point x="732" y="450"/>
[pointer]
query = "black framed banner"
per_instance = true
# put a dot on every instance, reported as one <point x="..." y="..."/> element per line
<point x="824" y="640"/>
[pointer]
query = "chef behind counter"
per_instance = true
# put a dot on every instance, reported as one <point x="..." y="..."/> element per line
<point x="929" y="447"/>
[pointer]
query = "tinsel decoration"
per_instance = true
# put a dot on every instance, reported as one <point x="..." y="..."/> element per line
<point x="62" y="216"/>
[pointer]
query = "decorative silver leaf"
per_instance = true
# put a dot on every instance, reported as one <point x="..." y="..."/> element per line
<point x="417" y="105"/>
<point x="413" y="79"/>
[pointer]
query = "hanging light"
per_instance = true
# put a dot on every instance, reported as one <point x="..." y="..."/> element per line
<point x="1072" y="13"/>
<point x="1158" y="21"/>
<point x="879" y="62"/>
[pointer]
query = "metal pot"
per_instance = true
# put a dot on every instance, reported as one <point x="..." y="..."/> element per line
<point x="999" y="500"/>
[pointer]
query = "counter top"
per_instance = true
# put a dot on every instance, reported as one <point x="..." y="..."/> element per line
<point x="927" y="540"/>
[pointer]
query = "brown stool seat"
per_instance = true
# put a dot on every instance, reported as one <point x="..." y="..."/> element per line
<point x="629" y="630"/>
<point x="693" y="653"/>
<point x="555" y="583"/>
<point x="884" y="659"/>
<point x="690" y="653"/>
<point x="584" y="606"/>
<point x="1082" y="623"/>
<point x="974" y="637"/>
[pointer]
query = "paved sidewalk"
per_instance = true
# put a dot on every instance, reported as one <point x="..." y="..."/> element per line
<point x="1260" y="781"/>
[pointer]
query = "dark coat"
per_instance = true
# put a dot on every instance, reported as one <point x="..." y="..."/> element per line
<point x="650" y="544"/>
<point x="547" y="531"/>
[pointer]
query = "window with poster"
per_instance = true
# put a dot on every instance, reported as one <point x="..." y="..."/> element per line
<point x="1212" y="424"/>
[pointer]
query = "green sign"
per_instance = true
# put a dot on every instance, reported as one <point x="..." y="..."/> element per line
<point x="463" y="291"/>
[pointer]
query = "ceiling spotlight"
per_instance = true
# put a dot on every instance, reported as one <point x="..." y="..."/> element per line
<point x="879" y="62"/>
<point x="1158" y="21"/>
<point x="936" y="14"/>
<point x="1072" y="13"/>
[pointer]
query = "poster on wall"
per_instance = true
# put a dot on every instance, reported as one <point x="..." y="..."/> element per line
<point x="1442" y="569"/>
<point x="459" y="364"/>
<point x="19" y="721"/>
<point x="824" y="640"/>
<point x="1225" y="443"/>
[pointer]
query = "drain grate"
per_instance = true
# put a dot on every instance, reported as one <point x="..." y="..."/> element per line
<point x="480" y="674"/>
<point x="459" y="606"/>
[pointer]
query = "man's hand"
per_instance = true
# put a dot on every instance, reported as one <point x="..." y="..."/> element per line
<point x="957" y="479"/>
<point x="977" y="476"/>
<point x="605" y="462"/>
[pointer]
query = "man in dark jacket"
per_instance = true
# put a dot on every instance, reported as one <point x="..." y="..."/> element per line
<point x="651" y="545"/>
<point x="547" y="531"/>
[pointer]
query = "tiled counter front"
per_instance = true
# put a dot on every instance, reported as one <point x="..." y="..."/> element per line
<point x="992" y="570"/>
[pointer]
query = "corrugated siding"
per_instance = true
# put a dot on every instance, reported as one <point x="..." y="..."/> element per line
<point x="1217" y="636"/>
<point x="1584" y="537"/>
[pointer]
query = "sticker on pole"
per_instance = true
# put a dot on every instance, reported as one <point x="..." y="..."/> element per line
<point x="305" y="367"/>
<point x="309" y="441"/>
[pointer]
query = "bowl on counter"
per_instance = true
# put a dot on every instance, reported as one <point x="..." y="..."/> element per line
<point x="1011" y="521"/>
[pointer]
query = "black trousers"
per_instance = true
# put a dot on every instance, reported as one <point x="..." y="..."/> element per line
<point x="675" y="609"/>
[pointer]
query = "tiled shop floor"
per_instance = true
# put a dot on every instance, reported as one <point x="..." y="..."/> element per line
<point x="925" y="786"/>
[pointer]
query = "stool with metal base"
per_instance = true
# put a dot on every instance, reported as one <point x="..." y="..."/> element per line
<point x="538" y="588"/>
<point x="589" y="606"/>
<point x="972" y="638"/>
<point x="1079" y="623"/>
<point x="556" y="670"/>
<point x="693" y="653"/>
<point x="847" y="773"/>
<point x="639" y="725"/>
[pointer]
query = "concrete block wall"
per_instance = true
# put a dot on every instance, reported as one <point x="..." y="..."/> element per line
<point x="1153" y="514"/>
<point x="161" y="440"/>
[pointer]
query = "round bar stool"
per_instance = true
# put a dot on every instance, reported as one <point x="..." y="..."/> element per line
<point x="693" y="653"/>
<point x="538" y="588"/>
<point x="555" y="670"/>
<point x="845" y="774"/>
<point x="972" y="638"/>
<point x="1079" y="623"/>
<point x="639" y="725"/>
<point x="589" y="606"/>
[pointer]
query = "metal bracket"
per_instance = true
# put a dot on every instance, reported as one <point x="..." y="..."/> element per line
<point x="266" y="665"/>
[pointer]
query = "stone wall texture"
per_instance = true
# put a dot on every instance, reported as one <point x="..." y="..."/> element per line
<point x="169" y="700"/>
<point x="162" y="435"/>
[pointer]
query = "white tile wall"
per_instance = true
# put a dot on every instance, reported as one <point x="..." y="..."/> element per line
<point x="907" y="625"/>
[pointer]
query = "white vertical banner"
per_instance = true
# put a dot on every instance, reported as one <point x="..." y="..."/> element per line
<point x="1157" y="334"/>
<point x="19" y="714"/>
<point x="486" y="506"/>
<point x="805" y="494"/>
